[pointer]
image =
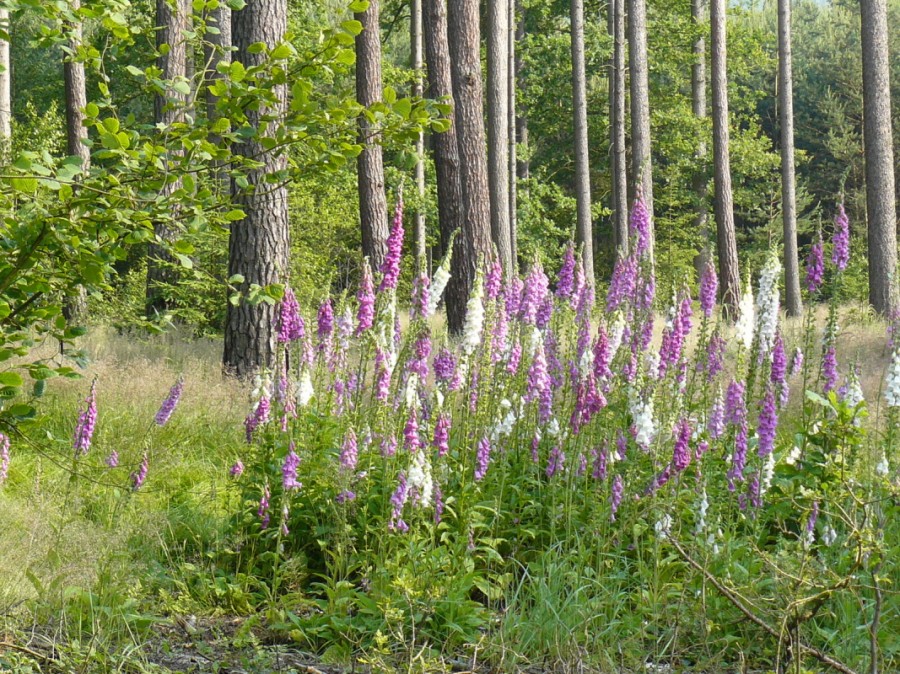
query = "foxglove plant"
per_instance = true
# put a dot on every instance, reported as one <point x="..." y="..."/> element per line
<point x="815" y="266"/>
<point x="290" y="323"/>
<point x="840" y="251"/>
<point x="87" y="422"/>
<point x="4" y="457"/>
<point x="169" y="404"/>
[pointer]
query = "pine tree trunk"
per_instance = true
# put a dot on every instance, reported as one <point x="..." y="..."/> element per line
<point x="523" y="163"/>
<point x="172" y="23"/>
<point x="217" y="50"/>
<point x="511" y="124"/>
<point x="75" y="306"/>
<point x="619" y="178"/>
<point x="498" y="130"/>
<point x="258" y="247"/>
<point x="584" y="227"/>
<point x="417" y="62"/>
<point x="5" y="88"/>
<point x="373" y="213"/>
<point x="700" y="15"/>
<point x="880" y="196"/>
<point x="642" y="164"/>
<point x="445" y="150"/>
<point x="475" y="238"/>
<point x="729" y="274"/>
<point x="793" y="303"/>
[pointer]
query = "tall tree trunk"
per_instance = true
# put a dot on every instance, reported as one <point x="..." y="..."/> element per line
<point x="523" y="162"/>
<point x="217" y="50"/>
<point x="729" y="274"/>
<point x="498" y="130"/>
<point x="75" y="306"/>
<point x="464" y="36"/>
<point x="168" y="109"/>
<point x="5" y="88"/>
<point x="619" y="178"/>
<point x="642" y="165"/>
<point x="880" y="197"/>
<point x="700" y="16"/>
<point x="417" y="58"/>
<point x="258" y="247"/>
<point x="511" y="140"/>
<point x="583" y="230"/>
<point x="373" y="214"/>
<point x="446" y="155"/>
<point x="793" y="302"/>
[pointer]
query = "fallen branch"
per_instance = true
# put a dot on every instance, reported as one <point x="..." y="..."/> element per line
<point x="824" y="658"/>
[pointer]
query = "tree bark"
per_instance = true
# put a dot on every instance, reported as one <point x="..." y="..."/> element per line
<point x="445" y="150"/>
<point x="511" y="140"/>
<point x="5" y="88"/>
<point x="700" y="16"/>
<point x="729" y="274"/>
<point x="217" y="50"/>
<point x="879" y="157"/>
<point x="75" y="306"/>
<point x="793" y="303"/>
<point x="417" y="58"/>
<point x="258" y="247"/>
<point x="498" y="129"/>
<point x="584" y="231"/>
<point x="523" y="163"/>
<point x="373" y="212"/>
<point x="464" y="37"/>
<point x="168" y="109"/>
<point x="642" y="164"/>
<point x="619" y="178"/>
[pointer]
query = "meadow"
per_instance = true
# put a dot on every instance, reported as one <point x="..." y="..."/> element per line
<point x="573" y="484"/>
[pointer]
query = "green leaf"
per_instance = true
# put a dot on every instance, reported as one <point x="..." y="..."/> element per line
<point x="182" y="87"/>
<point x="111" y="124"/>
<point x="26" y="185"/>
<point x="91" y="110"/>
<point x="359" y="6"/>
<point x="282" y="51"/>
<point x="235" y="215"/>
<point x="10" y="379"/>
<point x="352" y="26"/>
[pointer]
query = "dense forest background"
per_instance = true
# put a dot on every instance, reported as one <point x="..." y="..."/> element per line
<point x="325" y="238"/>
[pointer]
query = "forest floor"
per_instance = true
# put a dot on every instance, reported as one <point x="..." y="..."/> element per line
<point x="94" y="578"/>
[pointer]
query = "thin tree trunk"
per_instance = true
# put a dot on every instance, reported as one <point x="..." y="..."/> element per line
<point x="642" y="165"/>
<point x="373" y="213"/>
<point x="5" y="88"/>
<point x="75" y="306"/>
<point x="417" y="58"/>
<point x="464" y="37"/>
<point x="584" y="231"/>
<point x="700" y="16"/>
<point x="619" y="179"/>
<point x="168" y="109"/>
<point x="498" y="130"/>
<point x="259" y="244"/>
<point x="217" y="50"/>
<point x="880" y="196"/>
<point x="793" y="302"/>
<point x="511" y="124"/>
<point x="523" y="163"/>
<point x="445" y="150"/>
<point x="729" y="274"/>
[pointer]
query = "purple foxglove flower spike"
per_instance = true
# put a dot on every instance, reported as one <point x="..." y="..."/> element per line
<point x="709" y="289"/>
<point x="494" y="279"/>
<point x="87" y="422"/>
<point x="112" y="461"/>
<point x="555" y="461"/>
<point x="289" y="471"/>
<point x="796" y="362"/>
<point x="681" y="455"/>
<point x="411" y="432"/>
<point x="398" y="500"/>
<point x="237" y="469"/>
<point x="442" y="434"/>
<point x="290" y="325"/>
<point x="829" y="369"/>
<point x="615" y="496"/>
<point x="640" y="226"/>
<point x="262" y="512"/>
<point x="169" y="404"/>
<point x="533" y="295"/>
<point x="482" y="459"/>
<point x="390" y="268"/>
<point x="815" y="266"/>
<point x="840" y="253"/>
<point x="325" y="321"/>
<point x="365" y="296"/>
<point x="138" y="477"/>
<point x="565" y="282"/>
<point x="4" y="457"/>
<point x="515" y="357"/>
<point x="768" y="424"/>
<point x="349" y="452"/>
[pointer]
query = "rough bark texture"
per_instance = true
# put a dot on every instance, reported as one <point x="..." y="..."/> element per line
<point x="172" y="23"/>
<point x="619" y="178"/>
<point x="475" y="237"/>
<point x="258" y="247"/>
<point x="700" y="15"/>
<point x="5" y="90"/>
<point x="373" y="211"/>
<point x="498" y="126"/>
<point x="446" y="154"/>
<point x="523" y="165"/>
<point x="584" y="227"/>
<point x="642" y="165"/>
<point x="511" y="131"/>
<point x="75" y="306"/>
<point x="729" y="274"/>
<point x="417" y="59"/>
<point x="216" y="50"/>
<point x="880" y="197"/>
<point x="792" y="302"/>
